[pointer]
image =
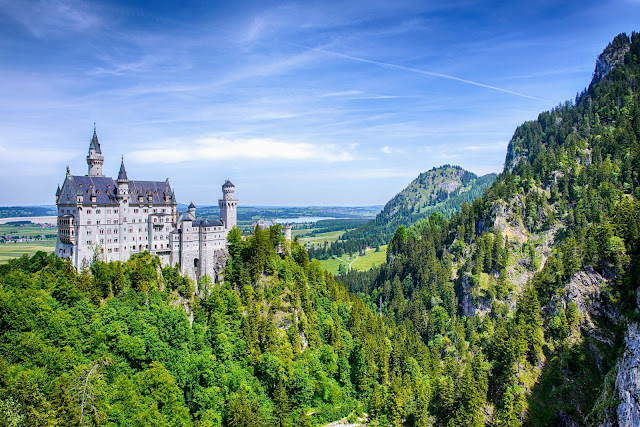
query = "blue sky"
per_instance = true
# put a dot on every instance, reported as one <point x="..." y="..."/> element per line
<point x="298" y="103"/>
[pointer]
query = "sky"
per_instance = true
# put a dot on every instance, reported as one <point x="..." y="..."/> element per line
<point x="298" y="103"/>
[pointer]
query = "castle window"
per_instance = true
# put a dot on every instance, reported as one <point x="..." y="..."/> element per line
<point x="98" y="222"/>
<point x="102" y="231"/>
<point x="115" y="211"/>
<point x="88" y="222"/>
<point x="98" y="211"/>
<point x="146" y="210"/>
<point x="88" y="211"/>
<point x="155" y="210"/>
<point x="101" y="240"/>
<point x="88" y="232"/>
<point x="108" y="221"/>
<point x="108" y="211"/>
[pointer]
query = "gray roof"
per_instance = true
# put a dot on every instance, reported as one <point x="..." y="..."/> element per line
<point x="228" y="184"/>
<point x="155" y="188"/>
<point x="95" y="144"/>
<point x="207" y="223"/>
<point x="186" y="217"/>
<point x="192" y="206"/>
<point x="105" y="189"/>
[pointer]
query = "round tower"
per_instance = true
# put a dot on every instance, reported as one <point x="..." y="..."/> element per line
<point x="228" y="205"/>
<point x="95" y="160"/>
<point x="287" y="231"/>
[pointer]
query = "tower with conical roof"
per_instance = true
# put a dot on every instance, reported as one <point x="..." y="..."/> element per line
<point x="123" y="182"/>
<point x="95" y="160"/>
<point x="228" y="206"/>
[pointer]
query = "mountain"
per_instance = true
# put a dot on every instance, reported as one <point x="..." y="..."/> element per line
<point x="530" y="295"/>
<point x="443" y="189"/>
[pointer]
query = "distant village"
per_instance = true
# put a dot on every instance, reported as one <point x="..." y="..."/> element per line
<point x="49" y="232"/>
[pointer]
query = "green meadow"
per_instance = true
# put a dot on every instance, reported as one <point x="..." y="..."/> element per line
<point x="361" y="263"/>
<point x="16" y="250"/>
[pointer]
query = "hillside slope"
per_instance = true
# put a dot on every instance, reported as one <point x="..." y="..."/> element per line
<point x="534" y="286"/>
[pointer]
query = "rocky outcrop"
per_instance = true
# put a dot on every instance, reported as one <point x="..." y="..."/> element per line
<point x="625" y="395"/>
<point x="628" y="379"/>
<point x="585" y="289"/>
<point x="612" y="56"/>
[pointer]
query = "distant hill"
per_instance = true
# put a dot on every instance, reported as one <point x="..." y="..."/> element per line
<point x="440" y="189"/>
<point x="24" y="211"/>
<point x="443" y="189"/>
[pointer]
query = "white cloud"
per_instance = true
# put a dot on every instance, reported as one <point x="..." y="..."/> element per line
<point x="51" y="16"/>
<point x="376" y="173"/>
<point x="215" y="148"/>
<point x="386" y="149"/>
<point x="496" y="146"/>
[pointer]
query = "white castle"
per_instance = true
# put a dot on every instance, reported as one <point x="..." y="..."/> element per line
<point x="99" y="217"/>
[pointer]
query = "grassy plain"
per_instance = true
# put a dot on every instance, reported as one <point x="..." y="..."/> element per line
<point x="318" y="239"/>
<point x="361" y="263"/>
<point x="25" y="230"/>
<point x="15" y="250"/>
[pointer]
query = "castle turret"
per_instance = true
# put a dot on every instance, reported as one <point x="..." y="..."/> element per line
<point x="192" y="209"/>
<point x="287" y="231"/>
<point x="95" y="160"/>
<point x="228" y="206"/>
<point x="123" y="182"/>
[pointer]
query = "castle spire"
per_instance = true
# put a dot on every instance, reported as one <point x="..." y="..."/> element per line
<point x="94" y="143"/>
<point x="95" y="159"/>
<point x="122" y="176"/>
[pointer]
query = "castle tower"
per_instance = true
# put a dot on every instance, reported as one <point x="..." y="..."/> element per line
<point x="122" y="196"/>
<point x="287" y="231"/>
<point x="228" y="206"/>
<point x="192" y="210"/>
<point x="95" y="159"/>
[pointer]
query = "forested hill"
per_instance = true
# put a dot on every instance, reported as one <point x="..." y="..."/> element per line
<point x="534" y="287"/>
<point x="278" y="343"/>
<point x="441" y="189"/>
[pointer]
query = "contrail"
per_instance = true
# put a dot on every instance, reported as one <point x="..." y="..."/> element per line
<point x="416" y="70"/>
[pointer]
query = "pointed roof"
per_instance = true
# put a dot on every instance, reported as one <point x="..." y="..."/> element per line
<point x="122" y="176"/>
<point x="228" y="184"/>
<point x="95" y="144"/>
<point x="192" y="206"/>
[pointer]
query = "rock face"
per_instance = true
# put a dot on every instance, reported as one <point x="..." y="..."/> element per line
<point x="612" y="55"/>
<point x="627" y="388"/>
<point x="584" y="289"/>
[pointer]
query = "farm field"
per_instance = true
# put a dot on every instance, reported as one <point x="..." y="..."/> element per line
<point x="361" y="263"/>
<point x="15" y="250"/>
<point x="25" y="230"/>
<point x="318" y="239"/>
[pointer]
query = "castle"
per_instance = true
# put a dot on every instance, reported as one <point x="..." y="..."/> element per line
<point x="99" y="217"/>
